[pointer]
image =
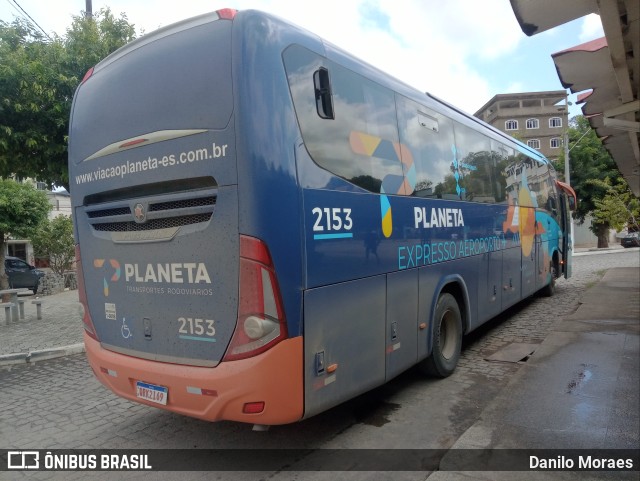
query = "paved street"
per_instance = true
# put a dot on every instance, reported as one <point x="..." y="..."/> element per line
<point x="58" y="403"/>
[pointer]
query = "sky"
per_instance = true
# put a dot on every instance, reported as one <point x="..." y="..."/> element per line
<point x="463" y="51"/>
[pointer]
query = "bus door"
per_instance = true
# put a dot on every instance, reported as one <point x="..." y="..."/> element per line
<point x="567" y="205"/>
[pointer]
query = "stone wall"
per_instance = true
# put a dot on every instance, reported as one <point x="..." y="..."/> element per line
<point x="52" y="283"/>
<point x="70" y="281"/>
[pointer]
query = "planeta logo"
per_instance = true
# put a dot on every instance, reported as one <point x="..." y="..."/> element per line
<point x="113" y="265"/>
<point x="170" y="272"/>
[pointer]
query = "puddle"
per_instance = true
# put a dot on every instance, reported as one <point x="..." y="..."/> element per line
<point x="580" y="378"/>
<point x="375" y="414"/>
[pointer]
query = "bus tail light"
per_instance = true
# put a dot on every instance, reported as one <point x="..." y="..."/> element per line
<point x="87" y="75"/>
<point x="82" y="297"/>
<point x="253" y="408"/>
<point x="261" y="323"/>
<point x="226" y="13"/>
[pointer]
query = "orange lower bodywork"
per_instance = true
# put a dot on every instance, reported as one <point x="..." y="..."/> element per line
<point x="274" y="377"/>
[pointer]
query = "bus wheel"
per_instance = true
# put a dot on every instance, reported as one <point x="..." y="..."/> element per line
<point x="550" y="289"/>
<point x="447" y="338"/>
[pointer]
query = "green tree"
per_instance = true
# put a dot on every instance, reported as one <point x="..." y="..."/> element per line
<point x="54" y="241"/>
<point x="22" y="211"/>
<point x="38" y="77"/>
<point x="589" y="162"/>
<point x="32" y="104"/>
<point x="619" y="206"/>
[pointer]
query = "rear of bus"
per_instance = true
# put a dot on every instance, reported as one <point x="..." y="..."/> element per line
<point x="183" y="308"/>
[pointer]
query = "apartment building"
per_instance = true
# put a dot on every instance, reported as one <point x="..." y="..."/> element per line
<point x="539" y="119"/>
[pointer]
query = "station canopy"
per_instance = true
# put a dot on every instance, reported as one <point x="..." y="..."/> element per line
<point x="605" y="73"/>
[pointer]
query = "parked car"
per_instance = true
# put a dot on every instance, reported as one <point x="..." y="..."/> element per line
<point x="632" y="239"/>
<point x="21" y="274"/>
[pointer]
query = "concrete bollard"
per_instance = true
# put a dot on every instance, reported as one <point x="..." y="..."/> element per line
<point x="38" y="304"/>
<point x="8" y="306"/>
<point x="21" y="308"/>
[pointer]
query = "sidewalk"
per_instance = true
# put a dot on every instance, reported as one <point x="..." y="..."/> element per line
<point x="579" y="390"/>
<point x="58" y="333"/>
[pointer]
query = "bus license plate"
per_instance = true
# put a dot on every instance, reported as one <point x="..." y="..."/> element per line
<point x="151" y="392"/>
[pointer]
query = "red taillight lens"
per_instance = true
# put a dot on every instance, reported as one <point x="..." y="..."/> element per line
<point x="253" y="408"/>
<point x="226" y="13"/>
<point x="261" y="322"/>
<point x="87" y="75"/>
<point x="82" y="297"/>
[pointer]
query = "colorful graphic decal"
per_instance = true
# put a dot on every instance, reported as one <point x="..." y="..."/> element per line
<point x="521" y="217"/>
<point x="372" y="146"/>
<point x="99" y="263"/>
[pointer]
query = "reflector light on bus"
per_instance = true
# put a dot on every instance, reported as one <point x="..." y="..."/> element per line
<point x="226" y="13"/>
<point x="132" y="143"/>
<point x="110" y="372"/>
<point x="261" y="321"/>
<point x="202" y="392"/>
<point x="87" y="75"/>
<point x="253" y="408"/>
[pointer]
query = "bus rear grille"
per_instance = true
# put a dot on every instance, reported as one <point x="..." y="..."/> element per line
<point x="153" y="224"/>
<point x="108" y="212"/>
<point x="183" y="204"/>
<point x="171" y="209"/>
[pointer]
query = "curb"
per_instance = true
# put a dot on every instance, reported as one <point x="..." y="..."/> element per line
<point x="40" y="354"/>
<point x="604" y="250"/>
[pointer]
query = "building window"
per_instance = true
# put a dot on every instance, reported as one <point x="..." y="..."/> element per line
<point x="511" y="125"/>
<point x="533" y="124"/>
<point x="555" y="122"/>
<point x="534" y="144"/>
<point x="555" y="143"/>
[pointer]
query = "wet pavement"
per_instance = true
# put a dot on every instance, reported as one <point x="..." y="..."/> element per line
<point x="579" y="390"/>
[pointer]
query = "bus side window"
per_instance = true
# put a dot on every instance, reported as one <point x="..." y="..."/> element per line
<point x="429" y="137"/>
<point x="473" y="166"/>
<point x="356" y="108"/>
<point x="501" y="155"/>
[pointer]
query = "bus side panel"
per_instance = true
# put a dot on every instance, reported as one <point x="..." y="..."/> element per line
<point x="344" y="341"/>
<point x="511" y="276"/>
<point x="490" y="285"/>
<point x="402" y="315"/>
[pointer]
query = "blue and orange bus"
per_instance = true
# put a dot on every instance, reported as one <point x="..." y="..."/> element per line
<point x="267" y="226"/>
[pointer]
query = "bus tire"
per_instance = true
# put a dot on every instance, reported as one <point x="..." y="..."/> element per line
<point x="447" y="338"/>
<point x="550" y="289"/>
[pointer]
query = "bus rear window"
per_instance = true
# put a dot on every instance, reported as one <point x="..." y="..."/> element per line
<point x="157" y="87"/>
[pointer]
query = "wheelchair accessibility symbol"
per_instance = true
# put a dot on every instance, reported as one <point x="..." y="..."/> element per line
<point x="126" y="332"/>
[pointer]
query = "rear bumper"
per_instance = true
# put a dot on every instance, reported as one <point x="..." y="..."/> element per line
<point x="275" y="377"/>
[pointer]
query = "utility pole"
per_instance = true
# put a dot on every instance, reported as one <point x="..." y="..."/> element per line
<point x="567" y="178"/>
<point x="88" y="9"/>
<point x="565" y="141"/>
